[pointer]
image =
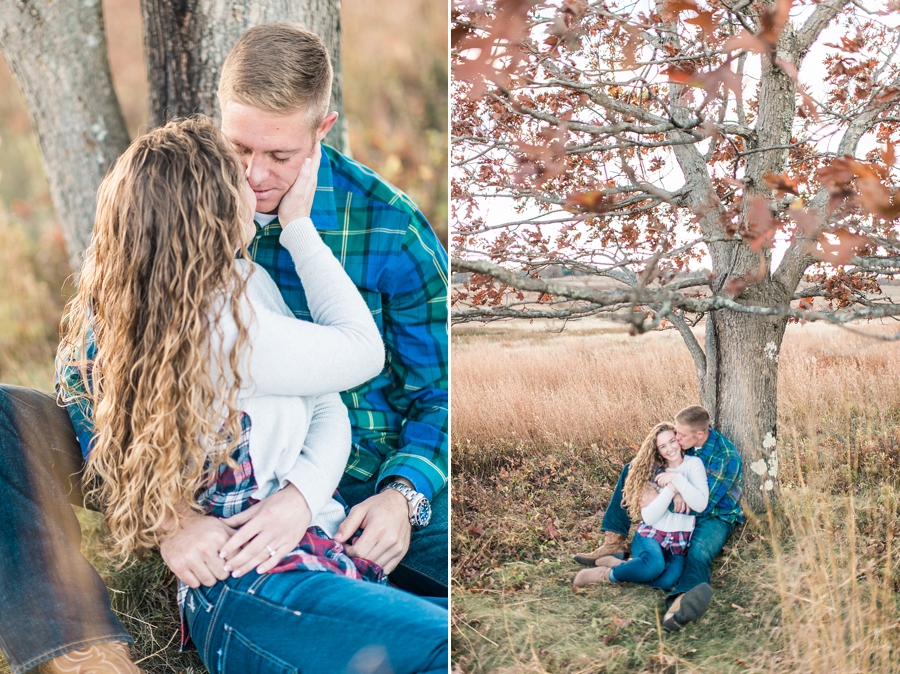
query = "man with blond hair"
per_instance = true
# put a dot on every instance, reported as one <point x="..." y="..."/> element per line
<point x="274" y="93"/>
<point x="690" y="597"/>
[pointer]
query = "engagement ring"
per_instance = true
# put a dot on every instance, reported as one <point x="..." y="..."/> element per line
<point x="271" y="551"/>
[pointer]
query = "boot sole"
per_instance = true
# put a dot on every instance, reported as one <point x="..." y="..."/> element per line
<point x="694" y="603"/>
<point x="591" y="560"/>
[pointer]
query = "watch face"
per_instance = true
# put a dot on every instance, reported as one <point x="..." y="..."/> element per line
<point x="423" y="513"/>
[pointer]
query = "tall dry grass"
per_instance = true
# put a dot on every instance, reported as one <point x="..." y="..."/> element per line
<point x="604" y="387"/>
<point x="836" y="579"/>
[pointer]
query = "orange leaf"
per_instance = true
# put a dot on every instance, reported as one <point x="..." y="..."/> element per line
<point x="736" y="286"/>
<point x="846" y="247"/>
<point x="550" y="530"/>
<point x="705" y="21"/>
<point x="888" y="156"/>
<point x="592" y="202"/>
<point x="781" y="183"/>
<point x="746" y="41"/>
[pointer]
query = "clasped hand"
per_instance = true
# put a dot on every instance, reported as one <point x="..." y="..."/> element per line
<point x="205" y="549"/>
<point x="666" y="480"/>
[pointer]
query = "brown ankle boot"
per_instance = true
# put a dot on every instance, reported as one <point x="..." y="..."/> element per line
<point x="609" y="561"/>
<point x="107" y="658"/>
<point x="613" y="544"/>
<point x="599" y="574"/>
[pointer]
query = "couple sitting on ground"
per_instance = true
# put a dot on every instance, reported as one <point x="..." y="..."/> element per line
<point x="211" y="420"/>
<point x="684" y="487"/>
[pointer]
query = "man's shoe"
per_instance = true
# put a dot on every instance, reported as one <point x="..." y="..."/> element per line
<point x="599" y="574"/>
<point x="106" y="658"/>
<point x="687" y="607"/>
<point x="613" y="544"/>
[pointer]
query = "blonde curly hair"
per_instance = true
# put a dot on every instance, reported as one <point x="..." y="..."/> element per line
<point x="158" y="276"/>
<point x="645" y="463"/>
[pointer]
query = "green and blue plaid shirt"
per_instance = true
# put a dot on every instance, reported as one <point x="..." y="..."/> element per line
<point x="724" y="471"/>
<point x="387" y="247"/>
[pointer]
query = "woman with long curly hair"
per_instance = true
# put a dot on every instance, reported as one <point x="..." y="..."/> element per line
<point x="199" y="400"/>
<point x="662" y="538"/>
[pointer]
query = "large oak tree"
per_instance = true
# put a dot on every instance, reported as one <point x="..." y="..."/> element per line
<point x="661" y="153"/>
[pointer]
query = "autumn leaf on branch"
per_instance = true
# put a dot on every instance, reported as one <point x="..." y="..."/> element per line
<point x="843" y="251"/>
<point x="781" y="183"/>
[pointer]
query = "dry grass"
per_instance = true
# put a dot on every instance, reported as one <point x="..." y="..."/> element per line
<point x="542" y="423"/>
<point x="602" y="386"/>
<point x="837" y="582"/>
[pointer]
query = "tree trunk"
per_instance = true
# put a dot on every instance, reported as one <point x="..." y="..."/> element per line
<point x="57" y="51"/>
<point x="186" y="42"/>
<point x="745" y="396"/>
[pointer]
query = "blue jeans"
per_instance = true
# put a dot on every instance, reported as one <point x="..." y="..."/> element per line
<point x="425" y="568"/>
<point x="650" y="564"/>
<point x="708" y="539"/>
<point x="616" y="518"/>
<point x="51" y="598"/>
<point x="315" y="623"/>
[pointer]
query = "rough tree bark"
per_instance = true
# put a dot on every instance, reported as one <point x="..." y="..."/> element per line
<point x="186" y="42"/>
<point x="57" y="51"/>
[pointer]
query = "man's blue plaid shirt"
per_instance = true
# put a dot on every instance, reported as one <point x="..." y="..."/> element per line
<point x="386" y="246"/>
<point x="724" y="471"/>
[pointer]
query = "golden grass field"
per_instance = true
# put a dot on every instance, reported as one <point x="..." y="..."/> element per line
<point x="542" y="422"/>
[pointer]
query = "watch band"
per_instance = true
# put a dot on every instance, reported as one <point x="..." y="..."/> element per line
<point x="419" y="506"/>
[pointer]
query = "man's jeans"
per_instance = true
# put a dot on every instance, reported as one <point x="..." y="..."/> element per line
<point x="315" y="622"/>
<point x="708" y="539"/>
<point x="650" y="564"/>
<point x="616" y="518"/>
<point x="424" y="570"/>
<point x="51" y="598"/>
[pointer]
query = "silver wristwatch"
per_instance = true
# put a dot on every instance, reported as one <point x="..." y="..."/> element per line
<point x="419" y="507"/>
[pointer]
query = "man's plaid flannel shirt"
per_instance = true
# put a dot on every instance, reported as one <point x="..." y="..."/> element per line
<point x="724" y="471"/>
<point x="385" y="245"/>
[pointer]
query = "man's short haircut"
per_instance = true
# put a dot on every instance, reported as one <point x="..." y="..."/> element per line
<point x="280" y="68"/>
<point x="695" y="417"/>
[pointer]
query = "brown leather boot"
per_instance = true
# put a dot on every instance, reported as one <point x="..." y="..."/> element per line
<point x="599" y="574"/>
<point x="613" y="544"/>
<point x="107" y="658"/>
<point x="609" y="561"/>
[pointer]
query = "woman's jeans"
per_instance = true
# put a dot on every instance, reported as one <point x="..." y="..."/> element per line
<point x="708" y="539"/>
<point x="650" y="564"/>
<point x="315" y="622"/>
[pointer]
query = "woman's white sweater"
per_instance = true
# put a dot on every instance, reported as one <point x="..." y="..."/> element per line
<point x="690" y="480"/>
<point x="294" y="369"/>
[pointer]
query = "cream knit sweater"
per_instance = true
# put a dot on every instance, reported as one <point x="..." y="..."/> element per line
<point x="291" y="375"/>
